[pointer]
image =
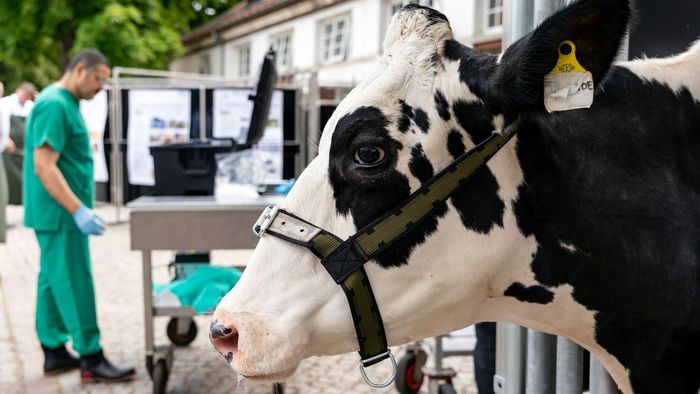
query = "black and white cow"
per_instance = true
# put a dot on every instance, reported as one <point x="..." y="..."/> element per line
<point x="586" y="224"/>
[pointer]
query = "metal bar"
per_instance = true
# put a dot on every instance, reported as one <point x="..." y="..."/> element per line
<point x="541" y="363"/>
<point x="147" y="302"/>
<point x="202" y="113"/>
<point x="569" y="367"/>
<point x="438" y="352"/>
<point x="171" y="74"/>
<point x="510" y="359"/>
<point x="600" y="380"/>
<point x="118" y="137"/>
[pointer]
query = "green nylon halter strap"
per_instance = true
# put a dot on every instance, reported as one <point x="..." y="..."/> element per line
<point x="363" y="306"/>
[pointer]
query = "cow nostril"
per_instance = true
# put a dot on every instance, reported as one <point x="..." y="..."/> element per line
<point x="224" y="339"/>
<point x="218" y="330"/>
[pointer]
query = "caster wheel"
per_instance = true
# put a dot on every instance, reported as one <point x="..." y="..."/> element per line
<point x="160" y="377"/>
<point x="409" y="377"/>
<point x="181" y="339"/>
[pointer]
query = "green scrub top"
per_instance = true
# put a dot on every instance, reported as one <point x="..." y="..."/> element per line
<point x="56" y="121"/>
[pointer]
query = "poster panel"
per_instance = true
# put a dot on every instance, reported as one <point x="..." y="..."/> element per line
<point x="231" y="119"/>
<point x="94" y="113"/>
<point x="156" y="117"/>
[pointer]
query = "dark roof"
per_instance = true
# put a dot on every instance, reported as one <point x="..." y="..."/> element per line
<point x="241" y="12"/>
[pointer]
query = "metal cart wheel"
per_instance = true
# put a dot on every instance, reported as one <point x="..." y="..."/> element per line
<point x="175" y="335"/>
<point x="409" y="376"/>
<point x="160" y="377"/>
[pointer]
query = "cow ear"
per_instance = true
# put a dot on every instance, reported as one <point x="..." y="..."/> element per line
<point x="596" y="27"/>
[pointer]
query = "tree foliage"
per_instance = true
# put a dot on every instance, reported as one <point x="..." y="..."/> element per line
<point x="38" y="37"/>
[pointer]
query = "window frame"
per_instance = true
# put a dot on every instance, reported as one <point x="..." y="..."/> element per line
<point x="488" y="11"/>
<point x="240" y="49"/>
<point x="330" y="57"/>
<point x="275" y="41"/>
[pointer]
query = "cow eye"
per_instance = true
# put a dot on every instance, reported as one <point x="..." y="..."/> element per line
<point x="369" y="155"/>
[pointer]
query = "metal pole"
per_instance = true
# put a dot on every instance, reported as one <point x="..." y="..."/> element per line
<point x="510" y="359"/>
<point x="519" y="20"/>
<point x="569" y="367"/>
<point x="541" y="362"/>
<point x="202" y="113"/>
<point x="601" y="382"/>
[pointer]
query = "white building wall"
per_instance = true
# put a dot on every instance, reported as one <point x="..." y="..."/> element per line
<point x="368" y="22"/>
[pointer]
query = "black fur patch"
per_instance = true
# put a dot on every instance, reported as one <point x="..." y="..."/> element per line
<point x="406" y="116"/>
<point x="421" y="119"/>
<point x="533" y="294"/>
<point x="432" y="15"/>
<point x="621" y="182"/>
<point x="367" y="194"/>
<point x="420" y="165"/>
<point x="477" y="201"/>
<point x="455" y="144"/>
<point x="475" y="119"/>
<point x="443" y="108"/>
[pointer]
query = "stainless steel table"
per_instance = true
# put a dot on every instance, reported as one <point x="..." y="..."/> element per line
<point x="181" y="223"/>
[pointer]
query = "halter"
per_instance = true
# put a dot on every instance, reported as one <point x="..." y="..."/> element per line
<point x="344" y="260"/>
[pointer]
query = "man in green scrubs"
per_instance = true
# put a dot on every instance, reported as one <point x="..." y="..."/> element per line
<point x="58" y="192"/>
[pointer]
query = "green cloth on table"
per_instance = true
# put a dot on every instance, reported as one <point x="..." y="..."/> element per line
<point x="203" y="289"/>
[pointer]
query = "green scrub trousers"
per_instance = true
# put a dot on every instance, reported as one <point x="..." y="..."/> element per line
<point x="65" y="294"/>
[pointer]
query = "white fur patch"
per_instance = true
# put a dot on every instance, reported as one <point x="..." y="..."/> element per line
<point x="678" y="72"/>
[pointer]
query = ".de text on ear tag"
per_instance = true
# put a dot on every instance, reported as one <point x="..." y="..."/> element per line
<point x="568" y="86"/>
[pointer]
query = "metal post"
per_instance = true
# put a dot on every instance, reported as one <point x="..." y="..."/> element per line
<point x="569" y="367"/>
<point x="510" y="359"/>
<point x="116" y="137"/>
<point x="314" y="132"/>
<point x="147" y="302"/>
<point x="541" y="363"/>
<point x="600" y="380"/>
<point x="518" y="20"/>
<point x="202" y="113"/>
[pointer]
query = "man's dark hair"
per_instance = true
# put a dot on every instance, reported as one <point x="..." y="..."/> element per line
<point x="91" y="58"/>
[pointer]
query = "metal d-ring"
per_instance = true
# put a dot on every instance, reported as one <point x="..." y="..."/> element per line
<point x="393" y="372"/>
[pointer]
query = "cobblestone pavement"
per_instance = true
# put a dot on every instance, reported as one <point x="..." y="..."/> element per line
<point x="117" y="275"/>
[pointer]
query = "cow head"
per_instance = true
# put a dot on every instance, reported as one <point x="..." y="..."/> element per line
<point x="430" y="100"/>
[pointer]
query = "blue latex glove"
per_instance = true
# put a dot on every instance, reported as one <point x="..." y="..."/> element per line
<point x="88" y="222"/>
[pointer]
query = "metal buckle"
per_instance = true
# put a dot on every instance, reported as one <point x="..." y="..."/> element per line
<point x="265" y="220"/>
<point x="369" y="360"/>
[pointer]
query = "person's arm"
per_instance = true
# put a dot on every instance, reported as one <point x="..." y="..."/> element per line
<point x="45" y="168"/>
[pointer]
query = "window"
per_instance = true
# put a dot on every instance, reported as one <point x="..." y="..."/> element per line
<point x="205" y="64"/>
<point x="335" y="37"/>
<point x="494" y="14"/>
<point x="244" y="61"/>
<point x="282" y="44"/>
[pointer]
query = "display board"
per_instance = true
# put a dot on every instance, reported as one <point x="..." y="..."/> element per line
<point x="155" y="117"/>
<point x="231" y="118"/>
<point x="94" y="114"/>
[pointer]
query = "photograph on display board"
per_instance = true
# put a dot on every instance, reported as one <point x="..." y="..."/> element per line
<point x="156" y="117"/>
<point x="231" y="119"/>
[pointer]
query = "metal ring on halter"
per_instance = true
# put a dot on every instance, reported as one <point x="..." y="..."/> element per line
<point x="393" y="372"/>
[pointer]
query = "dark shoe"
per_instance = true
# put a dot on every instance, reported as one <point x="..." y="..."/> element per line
<point x="58" y="360"/>
<point x="96" y="368"/>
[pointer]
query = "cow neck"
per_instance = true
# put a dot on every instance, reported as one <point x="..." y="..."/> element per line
<point x="344" y="260"/>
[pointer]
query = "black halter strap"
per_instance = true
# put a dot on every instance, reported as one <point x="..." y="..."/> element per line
<point x="344" y="260"/>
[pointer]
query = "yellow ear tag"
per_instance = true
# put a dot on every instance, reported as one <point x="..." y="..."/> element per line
<point x="568" y="86"/>
<point x="567" y="62"/>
